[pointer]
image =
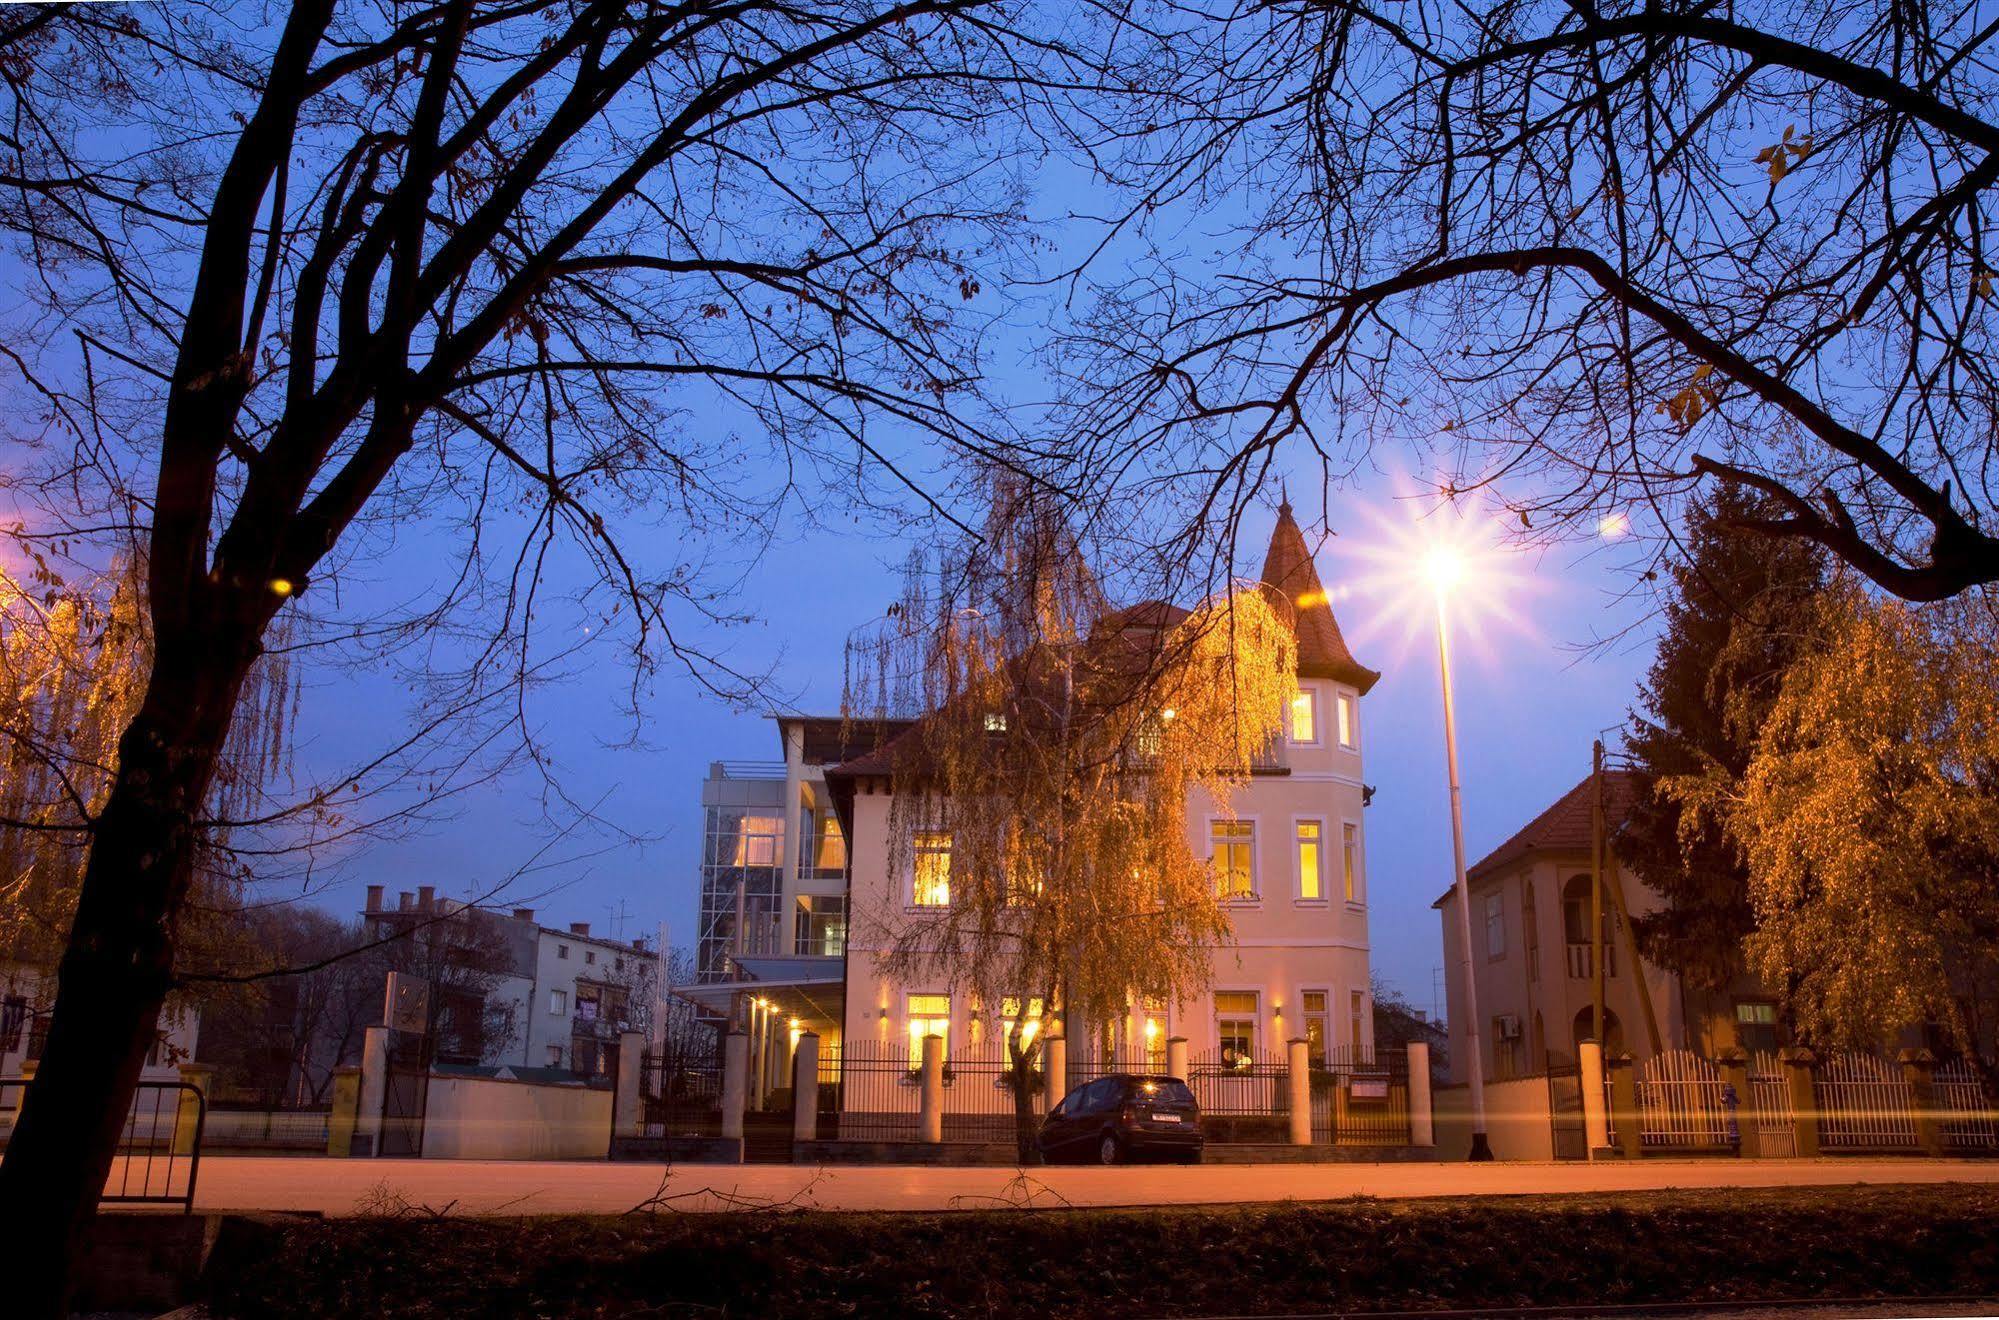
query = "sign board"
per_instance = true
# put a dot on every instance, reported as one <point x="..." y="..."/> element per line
<point x="408" y="1004"/>
<point x="1368" y="1088"/>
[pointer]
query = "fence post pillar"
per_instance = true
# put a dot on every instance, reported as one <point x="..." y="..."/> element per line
<point x="805" y="1087"/>
<point x="343" y="1110"/>
<point x="1054" y="1070"/>
<point x="374" y="1090"/>
<point x="735" y="1083"/>
<point x="627" y="1106"/>
<point x="187" y="1112"/>
<point x="1798" y="1061"/>
<point x="1734" y="1063"/>
<point x="1298" y="1090"/>
<point x="1624" y="1103"/>
<point x="1176" y="1057"/>
<point x="1596" y="1113"/>
<point x="1422" y="1119"/>
<point x="1919" y="1069"/>
<point x="930" y="1116"/>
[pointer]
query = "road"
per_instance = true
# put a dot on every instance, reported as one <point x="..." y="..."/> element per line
<point x="345" y="1187"/>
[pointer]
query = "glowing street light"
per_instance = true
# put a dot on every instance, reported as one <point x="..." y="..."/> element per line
<point x="1446" y="570"/>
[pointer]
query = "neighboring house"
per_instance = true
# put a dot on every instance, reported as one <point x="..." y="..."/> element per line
<point x="25" y="1001"/>
<point x="1532" y="956"/>
<point x="1293" y="846"/>
<point x="770" y="946"/>
<point x="509" y="991"/>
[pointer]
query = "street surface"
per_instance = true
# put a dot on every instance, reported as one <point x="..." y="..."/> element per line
<point x="345" y="1187"/>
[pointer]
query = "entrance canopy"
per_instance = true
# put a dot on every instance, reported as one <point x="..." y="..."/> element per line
<point x="811" y="989"/>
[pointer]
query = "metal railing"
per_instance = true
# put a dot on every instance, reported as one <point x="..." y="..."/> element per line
<point x="881" y="1094"/>
<point x="1361" y="1098"/>
<point x="1770" y="1107"/>
<point x="159" y="1149"/>
<point x="1582" y="966"/>
<point x="746" y="769"/>
<point x="1231" y="1085"/>
<point x="680" y="1095"/>
<point x="1864" y="1103"/>
<point x="1965" y="1115"/>
<point x="1682" y="1102"/>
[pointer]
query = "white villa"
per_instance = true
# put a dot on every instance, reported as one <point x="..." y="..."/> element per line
<point x="1294" y="849"/>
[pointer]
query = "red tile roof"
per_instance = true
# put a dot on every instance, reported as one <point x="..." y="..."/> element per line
<point x="1563" y="827"/>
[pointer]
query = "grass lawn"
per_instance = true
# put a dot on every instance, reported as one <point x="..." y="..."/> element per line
<point x="1360" y="1254"/>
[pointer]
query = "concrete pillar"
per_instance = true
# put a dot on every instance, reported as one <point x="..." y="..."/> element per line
<point x="1623" y="1104"/>
<point x="1422" y="1118"/>
<point x="1298" y="1090"/>
<point x="345" y="1108"/>
<point x="374" y="1090"/>
<point x="1596" y="1113"/>
<point x="1919" y="1068"/>
<point x="1176" y="1057"/>
<point x="805" y="1088"/>
<point x="1055" y="1069"/>
<point x="628" y="1101"/>
<point x="187" y="1114"/>
<point x="1734" y="1063"/>
<point x="735" y="1083"/>
<point x="1798" y="1061"/>
<point x="930" y="1114"/>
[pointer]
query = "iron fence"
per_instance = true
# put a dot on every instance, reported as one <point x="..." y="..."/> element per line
<point x="881" y="1094"/>
<point x="1238" y="1084"/>
<point x="1770" y="1107"/>
<point x="680" y="1094"/>
<point x="1864" y="1103"/>
<point x="1965" y="1116"/>
<point x="1361" y="1098"/>
<point x="159" y="1149"/>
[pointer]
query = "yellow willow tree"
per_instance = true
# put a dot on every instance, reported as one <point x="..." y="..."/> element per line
<point x="1042" y="796"/>
<point x="1869" y="821"/>
<point x="73" y="656"/>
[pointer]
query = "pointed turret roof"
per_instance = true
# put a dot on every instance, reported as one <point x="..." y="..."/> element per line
<point x="1322" y="650"/>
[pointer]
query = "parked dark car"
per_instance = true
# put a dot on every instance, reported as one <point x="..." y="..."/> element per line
<point x="1123" y="1117"/>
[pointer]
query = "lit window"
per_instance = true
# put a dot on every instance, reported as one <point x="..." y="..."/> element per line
<point x="759" y="841"/>
<point x="1344" y="708"/>
<point x="929" y="1015"/>
<point x="1232" y="854"/>
<point x="1350" y="860"/>
<point x="1305" y="718"/>
<point x="933" y="870"/>
<point x="1756" y="1026"/>
<point x="1495" y="926"/>
<point x="1313" y="1003"/>
<point x="1356" y="1009"/>
<point x="1010" y="1014"/>
<point x="1308" y="859"/>
<point x="1235" y="1026"/>
<point x="995" y="721"/>
<point x="1155" y="1034"/>
<point x="558" y="1003"/>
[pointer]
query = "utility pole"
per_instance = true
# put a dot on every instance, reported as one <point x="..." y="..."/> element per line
<point x="1596" y="949"/>
<point x="1481" y="1149"/>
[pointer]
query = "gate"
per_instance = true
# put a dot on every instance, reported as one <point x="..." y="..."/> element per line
<point x="404" y="1094"/>
<point x="1361" y="1100"/>
<point x="1964" y="1114"/>
<point x="1864" y="1103"/>
<point x="1567" y="1134"/>
<point x="1770" y="1107"/>
<point x="1682" y="1103"/>
<point x="680" y="1093"/>
<point x="159" y="1148"/>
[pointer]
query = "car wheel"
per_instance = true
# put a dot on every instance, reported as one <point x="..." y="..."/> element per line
<point x="1108" y="1151"/>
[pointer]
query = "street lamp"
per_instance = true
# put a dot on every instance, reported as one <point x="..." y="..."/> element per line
<point x="1445" y="570"/>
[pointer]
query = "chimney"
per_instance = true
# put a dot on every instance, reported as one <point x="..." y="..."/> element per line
<point x="425" y="896"/>
<point x="638" y="944"/>
<point x="404" y="900"/>
<point x="374" y="898"/>
<point x="523" y="914"/>
<point x="579" y="928"/>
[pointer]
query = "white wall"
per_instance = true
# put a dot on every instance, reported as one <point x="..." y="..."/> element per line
<point x="1516" y="1120"/>
<point x="478" y="1118"/>
<point x="1284" y="944"/>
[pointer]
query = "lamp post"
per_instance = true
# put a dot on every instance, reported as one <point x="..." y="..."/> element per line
<point x="1444" y="572"/>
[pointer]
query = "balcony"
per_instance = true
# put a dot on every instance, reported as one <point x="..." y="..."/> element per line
<point x="1582" y="967"/>
<point x="746" y="770"/>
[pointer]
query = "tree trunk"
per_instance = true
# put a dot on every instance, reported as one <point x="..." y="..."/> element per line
<point x="1025" y="1127"/>
<point x="115" y="971"/>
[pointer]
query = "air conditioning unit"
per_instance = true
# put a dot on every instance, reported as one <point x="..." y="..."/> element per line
<point x="1509" y="1026"/>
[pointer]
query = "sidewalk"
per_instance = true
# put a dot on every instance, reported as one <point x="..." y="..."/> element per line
<point x="345" y="1187"/>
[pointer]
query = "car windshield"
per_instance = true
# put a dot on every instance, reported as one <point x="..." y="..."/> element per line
<point x="1163" y="1090"/>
